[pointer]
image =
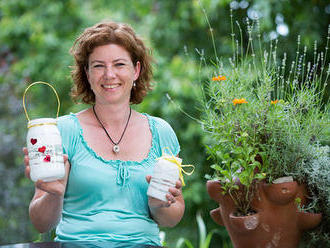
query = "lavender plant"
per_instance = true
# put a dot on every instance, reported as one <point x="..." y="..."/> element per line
<point x="265" y="119"/>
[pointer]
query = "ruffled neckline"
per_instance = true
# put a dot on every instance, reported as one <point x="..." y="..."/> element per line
<point x="145" y="162"/>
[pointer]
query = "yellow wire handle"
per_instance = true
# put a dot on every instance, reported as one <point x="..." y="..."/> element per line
<point x="170" y="157"/>
<point x="40" y="82"/>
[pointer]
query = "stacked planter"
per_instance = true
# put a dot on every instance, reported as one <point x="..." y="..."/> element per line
<point x="277" y="222"/>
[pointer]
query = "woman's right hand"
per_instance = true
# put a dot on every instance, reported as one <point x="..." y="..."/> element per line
<point x="57" y="187"/>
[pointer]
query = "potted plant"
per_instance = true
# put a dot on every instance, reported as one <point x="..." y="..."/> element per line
<point x="266" y="125"/>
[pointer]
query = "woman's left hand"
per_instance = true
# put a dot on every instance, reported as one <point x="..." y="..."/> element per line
<point x="170" y="196"/>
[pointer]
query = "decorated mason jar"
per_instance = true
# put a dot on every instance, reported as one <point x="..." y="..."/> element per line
<point x="44" y="144"/>
<point x="166" y="173"/>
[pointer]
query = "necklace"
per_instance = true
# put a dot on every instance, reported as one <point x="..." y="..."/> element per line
<point x="115" y="148"/>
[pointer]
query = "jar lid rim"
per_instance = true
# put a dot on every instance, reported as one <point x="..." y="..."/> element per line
<point x="42" y="121"/>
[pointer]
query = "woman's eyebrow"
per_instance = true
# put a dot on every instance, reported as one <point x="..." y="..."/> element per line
<point x="116" y="60"/>
<point x="97" y="61"/>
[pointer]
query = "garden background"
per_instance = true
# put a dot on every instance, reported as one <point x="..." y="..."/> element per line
<point x="36" y="35"/>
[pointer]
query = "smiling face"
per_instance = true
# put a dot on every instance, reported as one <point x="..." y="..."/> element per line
<point x="111" y="74"/>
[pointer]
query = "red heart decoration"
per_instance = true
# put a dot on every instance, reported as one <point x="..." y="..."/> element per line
<point x="42" y="149"/>
<point x="33" y="141"/>
<point x="47" y="158"/>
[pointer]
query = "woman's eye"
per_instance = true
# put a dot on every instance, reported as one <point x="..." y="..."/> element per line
<point x="96" y="66"/>
<point x="120" y="64"/>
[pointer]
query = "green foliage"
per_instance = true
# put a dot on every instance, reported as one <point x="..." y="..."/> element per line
<point x="316" y="173"/>
<point x="204" y="237"/>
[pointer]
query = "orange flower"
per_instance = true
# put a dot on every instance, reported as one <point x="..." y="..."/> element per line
<point x="274" y="102"/>
<point x="239" y="101"/>
<point x="219" y="78"/>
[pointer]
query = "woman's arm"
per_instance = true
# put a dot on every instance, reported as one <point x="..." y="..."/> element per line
<point x="46" y="205"/>
<point x="45" y="210"/>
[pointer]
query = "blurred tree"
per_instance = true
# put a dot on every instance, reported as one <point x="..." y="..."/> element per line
<point x="34" y="41"/>
<point x="182" y="23"/>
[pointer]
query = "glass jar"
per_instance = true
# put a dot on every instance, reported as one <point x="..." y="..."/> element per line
<point x="165" y="175"/>
<point x="44" y="144"/>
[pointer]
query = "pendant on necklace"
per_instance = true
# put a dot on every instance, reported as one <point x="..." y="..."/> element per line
<point x="115" y="149"/>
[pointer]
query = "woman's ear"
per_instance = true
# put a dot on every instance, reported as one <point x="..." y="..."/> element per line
<point x="137" y="70"/>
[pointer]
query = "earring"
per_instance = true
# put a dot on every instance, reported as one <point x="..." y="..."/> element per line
<point x="134" y="84"/>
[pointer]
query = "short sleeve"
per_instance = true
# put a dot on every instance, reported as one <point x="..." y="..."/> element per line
<point x="69" y="132"/>
<point x="167" y="138"/>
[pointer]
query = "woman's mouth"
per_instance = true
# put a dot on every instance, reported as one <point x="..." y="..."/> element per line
<point x="110" y="86"/>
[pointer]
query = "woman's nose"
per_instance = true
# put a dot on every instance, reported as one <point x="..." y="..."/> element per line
<point x="109" y="72"/>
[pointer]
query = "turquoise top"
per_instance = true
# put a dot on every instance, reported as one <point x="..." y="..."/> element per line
<point x="107" y="199"/>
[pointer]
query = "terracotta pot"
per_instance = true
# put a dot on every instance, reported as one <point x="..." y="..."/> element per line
<point x="277" y="223"/>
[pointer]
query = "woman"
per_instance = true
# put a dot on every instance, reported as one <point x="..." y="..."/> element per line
<point x="111" y="149"/>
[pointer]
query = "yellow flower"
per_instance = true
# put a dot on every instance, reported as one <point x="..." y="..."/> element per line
<point x="219" y="78"/>
<point x="239" y="101"/>
<point x="274" y="102"/>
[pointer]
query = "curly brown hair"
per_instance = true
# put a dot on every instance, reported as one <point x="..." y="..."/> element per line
<point x="102" y="34"/>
